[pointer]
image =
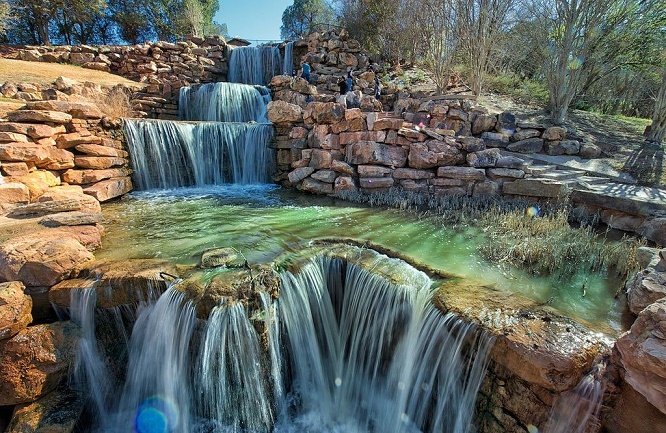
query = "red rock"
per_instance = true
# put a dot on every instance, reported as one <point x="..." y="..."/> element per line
<point x="15" y="168"/>
<point x="15" y="309"/>
<point x="74" y="139"/>
<point x="344" y="183"/>
<point x="82" y="177"/>
<point x="410" y="173"/>
<point x="34" y="131"/>
<point x="316" y="187"/>
<point x="78" y="110"/>
<point x="433" y="154"/>
<point x="31" y="116"/>
<point x="38" y="182"/>
<point x="284" y="112"/>
<point x="387" y="123"/>
<point x="373" y="171"/>
<point x="98" y="162"/>
<point x="299" y="174"/>
<point x="643" y="354"/>
<point x="59" y="159"/>
<point x="25" y="152"/>
<point x="109" y="188"/>
<point x="14" y="193"/>
<point x="369" y="152"/>
<point x="9" y="137"/>
<point x="33" y="362"/>
<point x="98" y="150"/>
<point x="341" y="167"/>
<point x="376" y="182"/>
<point x="320" y="159"/>
<point x="355" y="137"/>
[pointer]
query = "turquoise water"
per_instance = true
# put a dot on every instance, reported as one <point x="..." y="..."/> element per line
<point x="265" y="221"/>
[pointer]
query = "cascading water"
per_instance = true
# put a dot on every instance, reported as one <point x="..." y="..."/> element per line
<point x="224" y="102"/>
<point x="288" y="62"/>
<point x="254" y="65"/>
<point x="169" y="154"/>
<point x="348" y="351"/>
<point x="576" y="409"/>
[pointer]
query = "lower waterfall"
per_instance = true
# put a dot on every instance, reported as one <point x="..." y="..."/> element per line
<point x="168" y="154"/>
<point x="346" y="350"/>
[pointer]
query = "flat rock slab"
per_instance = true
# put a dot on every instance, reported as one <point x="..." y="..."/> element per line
<point x="635" y="200"/>
<point x="535" y="187"/>
<point x="75" y="218"/>
<point x="110" y="188"/>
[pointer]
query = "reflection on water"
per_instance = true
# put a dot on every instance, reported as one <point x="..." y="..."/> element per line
<point x="264" y="221"/>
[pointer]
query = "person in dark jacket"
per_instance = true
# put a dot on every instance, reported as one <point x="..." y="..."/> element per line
<point x="350" y="81"/>
<point x="306" y="71"/>
<point x="342" y="85"/>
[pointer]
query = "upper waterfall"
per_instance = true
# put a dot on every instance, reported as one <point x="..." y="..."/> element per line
<point x="254" y="65"/>
<point x="224" y="102"/>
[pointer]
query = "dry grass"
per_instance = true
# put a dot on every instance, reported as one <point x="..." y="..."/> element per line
<point x="115" y="103"/>
<point x="548" y="245"/>
<point x="19" y="71"/>
<point x="7" y="105"/>
<point x="544" y="245"/>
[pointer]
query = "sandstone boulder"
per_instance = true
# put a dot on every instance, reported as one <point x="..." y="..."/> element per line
<point x="555" y="133"/>
<point x="36" y="116"/>
<point x="82" y="177"/>
<point x="225" y="257"/>
<point x="284" y="112"/>
<point x="590" y="151"/>
<point x="344" y="183"/>
<point x="299" y="174"/>
<point x="483" y="123"/>
<point x="42" y="258"/>
<point x="15" y="309"/>
<point x="15" y="168"/>
<point x="376" y="182"/>
<point x="434" y="153"/>
<point x="76" y="109"/>
<point x="14" y="193"/>
<point x="75" y="218"/>
<point x="34" y="361"/>
<point x="370" y="152"/>
<point x="646" y="287"/>
<point x="484" y="158"/>
<point x="56" y="412"/>
<point x="530" y="145"/>
<point x="110" y="188"/>
<point x="24" y="152"/>
<point x="525" y="134"/>
<point x="316" y="187"/>
<point x="643" y="354"/>
<point x="98" y="162"/>
<point x="463" y="173"/>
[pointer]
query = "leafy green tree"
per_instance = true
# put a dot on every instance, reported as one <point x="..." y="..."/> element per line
<point x="302" y="18"/>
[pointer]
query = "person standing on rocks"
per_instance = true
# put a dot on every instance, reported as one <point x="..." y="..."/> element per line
<point x="350" y="81"/>
<point x="378" y="88"/>
<point x="342" y="85"/>
<point x="306" y="71"/>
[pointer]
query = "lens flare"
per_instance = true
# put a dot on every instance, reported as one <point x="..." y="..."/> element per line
<point x="156" y="415"/>
<point x="533" y="211"/>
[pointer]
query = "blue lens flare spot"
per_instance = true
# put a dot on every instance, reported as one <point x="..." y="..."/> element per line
<point x="156" y="415"/>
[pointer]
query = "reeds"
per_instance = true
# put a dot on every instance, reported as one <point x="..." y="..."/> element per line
<point x="544" y="243"/>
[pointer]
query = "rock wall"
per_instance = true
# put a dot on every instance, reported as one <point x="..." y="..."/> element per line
<point x="163" y="66"/>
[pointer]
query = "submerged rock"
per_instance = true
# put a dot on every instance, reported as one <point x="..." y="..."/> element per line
<point x="227" y="257"/>
<point x="56" y="412"/>
<point x="34" y="361"/>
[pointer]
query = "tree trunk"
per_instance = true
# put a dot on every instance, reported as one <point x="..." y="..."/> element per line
<point x="658" y="127"/>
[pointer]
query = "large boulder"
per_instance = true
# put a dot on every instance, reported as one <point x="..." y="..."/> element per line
<point x="284" y="112"/>
<point x="647" y="286"/>
<point x="45" y="257"/>
<point x="15" y="309"/>
<point x="34" y="361"/>
<point x="108" y="189"/>
<point x="370" y="152"/>
<point x="37" y="116"/>
<point x="56" y="412"/>
<point x="434" y="153"/>
<point x="324" y="112"/>
<point x="643" y="354"/>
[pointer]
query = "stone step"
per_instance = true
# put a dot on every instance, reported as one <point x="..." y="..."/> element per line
<point x="561" y="174"/>
<point x="539" y="169"/>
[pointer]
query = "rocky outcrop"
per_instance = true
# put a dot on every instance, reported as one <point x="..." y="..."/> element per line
<point x="56" y="412"/>
<point x="15" y="309"/>
<point x="34" y="361"/>
<point x="643" y="354"/>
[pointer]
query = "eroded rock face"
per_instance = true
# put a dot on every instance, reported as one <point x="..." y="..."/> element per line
<point x="649" y="285"/>
<point x="15" y="309"/>
<point x="118" y="283"/>
<point x="284" y="112"/>
<point x="643" y="353"/>
<point x="34" y="361"/>
<point x="45" y="257"/>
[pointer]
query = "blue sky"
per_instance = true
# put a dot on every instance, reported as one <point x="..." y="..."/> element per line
<point x="253" y="19"/>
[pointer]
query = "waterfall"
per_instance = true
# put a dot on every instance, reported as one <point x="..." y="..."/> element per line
<point x="169" y="154"/>
<point x="254" y="65"/>
<point x="230" y="376"/>
<point x="575" y="409"/>
<point x="288" y="62"/>
<point x="224" y="102"/>
<point x="346" y="350"/>
<point x="366" y="354"/>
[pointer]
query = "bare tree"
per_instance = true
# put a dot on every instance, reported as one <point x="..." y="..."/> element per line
<point x="658" y="128"/>
<point x="480" y="24"/>
<point x="440" y="35"/>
